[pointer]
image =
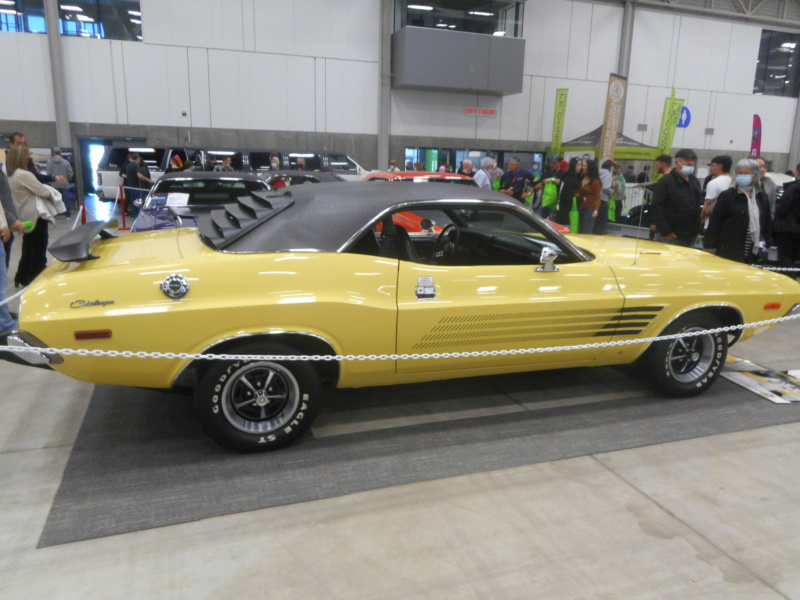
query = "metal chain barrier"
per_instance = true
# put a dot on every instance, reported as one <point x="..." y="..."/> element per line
<point x="792" y="269"/>
<point x="10" y="298"/>
<point x="365" y="357"/>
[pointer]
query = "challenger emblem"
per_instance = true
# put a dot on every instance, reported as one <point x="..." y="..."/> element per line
<point x="82" y="303"/>
<point x="175" y="286"/>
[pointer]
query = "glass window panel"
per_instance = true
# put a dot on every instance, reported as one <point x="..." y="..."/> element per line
<point x="490" y="17"/>
<point x="778" y="67"/>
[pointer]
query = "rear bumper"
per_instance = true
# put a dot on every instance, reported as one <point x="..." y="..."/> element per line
<point x="26" y="351"/>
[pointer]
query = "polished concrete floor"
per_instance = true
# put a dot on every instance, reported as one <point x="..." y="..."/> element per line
<point x="715" y="517"/>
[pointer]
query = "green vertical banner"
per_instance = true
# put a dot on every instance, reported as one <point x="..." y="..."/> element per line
<point x="669" y="123"/>
<point x="558" y="120"/>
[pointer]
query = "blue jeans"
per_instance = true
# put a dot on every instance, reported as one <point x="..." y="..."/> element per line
<point x="587" y="220"/>
<point x="7" y="324"/>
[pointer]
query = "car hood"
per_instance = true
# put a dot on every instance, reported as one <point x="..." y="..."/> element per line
<point x="625" y="252"/>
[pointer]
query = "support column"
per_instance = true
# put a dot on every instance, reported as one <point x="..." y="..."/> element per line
<point x="63" y="136"/>
<point x="385" y="95"/>
<point x="626" y="44"/>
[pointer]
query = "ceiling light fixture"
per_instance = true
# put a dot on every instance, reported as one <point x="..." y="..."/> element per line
<point x="71" y="7"/>
<point x="135" y="13"/>
<point x="8" y="2"/>
<point x="478" y="13"/>
<point x="419" y="7"/>
<point x="84" y="18"/>
<point x="499" y="33"/>
<point x="8" y="11"/>
<point x="137" y="21"/>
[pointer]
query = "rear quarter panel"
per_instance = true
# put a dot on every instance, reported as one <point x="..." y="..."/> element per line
<point x="348" y="300"/>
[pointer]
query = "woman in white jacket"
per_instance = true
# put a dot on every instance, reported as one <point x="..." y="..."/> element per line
<point x="25" y="188"/>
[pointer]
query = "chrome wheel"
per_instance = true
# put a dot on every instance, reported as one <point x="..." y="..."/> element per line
<point x="691" y="358"/>
<point x="260" y="397"/>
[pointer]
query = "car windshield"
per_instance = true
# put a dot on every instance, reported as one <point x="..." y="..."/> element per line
<point x="341" y="162"/>
<point x="202" y="191"/>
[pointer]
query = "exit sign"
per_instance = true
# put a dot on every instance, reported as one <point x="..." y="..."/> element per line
<point x="474" y="111"/>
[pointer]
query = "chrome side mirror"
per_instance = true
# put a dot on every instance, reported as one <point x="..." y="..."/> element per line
<point x="547" y="258"/>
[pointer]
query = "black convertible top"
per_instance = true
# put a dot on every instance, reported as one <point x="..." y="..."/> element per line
<point x="323" y="217"/>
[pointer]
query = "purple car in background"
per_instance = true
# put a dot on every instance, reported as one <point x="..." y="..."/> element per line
<point x="179" y="199"/>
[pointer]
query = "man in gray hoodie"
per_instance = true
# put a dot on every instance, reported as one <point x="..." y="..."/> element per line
<point x="58" y="165"/>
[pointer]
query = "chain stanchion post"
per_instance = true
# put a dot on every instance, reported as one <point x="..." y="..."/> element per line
<point x="123" y="209"/>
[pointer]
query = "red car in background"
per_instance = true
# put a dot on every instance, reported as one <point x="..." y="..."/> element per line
<point x="431" y="177"/>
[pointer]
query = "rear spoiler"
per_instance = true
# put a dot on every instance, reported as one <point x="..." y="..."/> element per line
<point x="233" y="221"/>
<point x="74" y="246"/>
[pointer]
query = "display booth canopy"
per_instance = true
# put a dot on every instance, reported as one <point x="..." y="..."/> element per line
<point x="627" y="148"/>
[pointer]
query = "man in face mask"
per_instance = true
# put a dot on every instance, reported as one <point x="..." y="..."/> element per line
<point x="677" y="200"/>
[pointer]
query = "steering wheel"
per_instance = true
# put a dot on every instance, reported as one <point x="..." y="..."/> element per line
<point x="446" y="244"/>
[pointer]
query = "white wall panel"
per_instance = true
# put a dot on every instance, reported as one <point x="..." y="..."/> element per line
<point x="300" y="90"/>
<point x="698" y="102"/>
<point x="536" y="126"/>
<point x="120" y="95"/>
<point x="25" y="75"/>
<point x="702" y="54"/>
<point x="488" y="128"/>
<point x="199" y="98"/>
<point x="198" y="23"/>
<point x="356" y="28"/>
<point x="346" y="30"/>
<point x="156" y="83"/>
<point x="266" y="105"/>
<point x="89" y="80"/>
<point x="733" y="122"/>
<point x="261" y="91"/>
<point x="580" y="41"/>
<point x="248" y="25"/>
<point x="636" y="112"/>
<point x="547" y="35"/>
<point x="740" y="72"/>
<point x="157" y="21"/>
<point x="432" y="114"/>
<point x="515" y="114"/>
<point x="319" y="95"/>
<point x="351" y="96"/>
<point x="274" y="24"/>
<point x="605" y="41"/>
<point x="229" y="89"/>
<point x="652" y="48"/>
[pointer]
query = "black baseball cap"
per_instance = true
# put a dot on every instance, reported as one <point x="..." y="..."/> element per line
<point x="724" y="161"/>
<point x="686" y="153"/>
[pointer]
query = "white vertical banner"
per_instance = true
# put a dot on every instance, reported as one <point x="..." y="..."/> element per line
<point x="615" y="108"/>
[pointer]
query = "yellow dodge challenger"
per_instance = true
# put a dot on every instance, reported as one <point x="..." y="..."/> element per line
<point x="332" y="270"/>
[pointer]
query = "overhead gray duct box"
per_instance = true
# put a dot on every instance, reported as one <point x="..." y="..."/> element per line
<point x="456" y="61"/>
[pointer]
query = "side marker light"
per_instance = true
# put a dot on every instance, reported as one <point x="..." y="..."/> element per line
<point x="95" y="334"/>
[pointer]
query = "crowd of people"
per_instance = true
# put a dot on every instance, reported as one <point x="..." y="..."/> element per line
<point x="737" y="216"/>
<point x="28" y="206"/>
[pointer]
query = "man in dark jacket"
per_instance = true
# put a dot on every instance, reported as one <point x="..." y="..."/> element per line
<point x="677" y="200"/>
<point x="786" y="228"/>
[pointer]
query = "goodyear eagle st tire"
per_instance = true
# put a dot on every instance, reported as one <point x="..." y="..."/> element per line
<point x="257" y="405"/>
<point x="688" y="366"/>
